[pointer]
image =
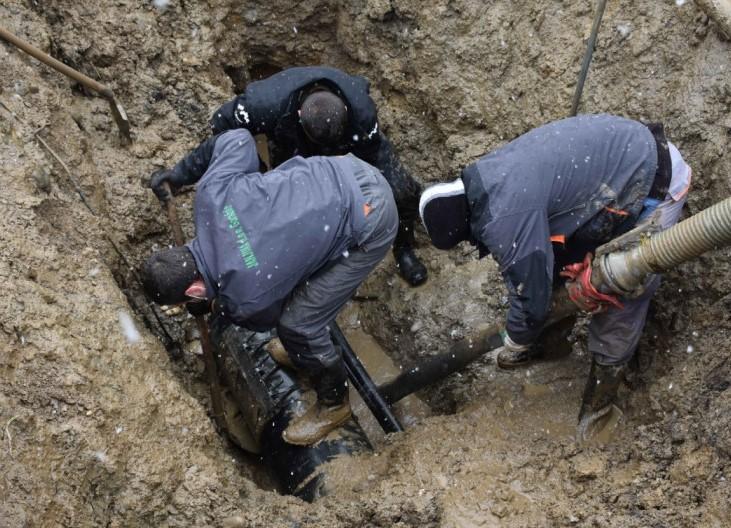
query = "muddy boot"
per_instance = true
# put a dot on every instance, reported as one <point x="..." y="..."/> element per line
<point x="514" y="354"/>
<point x="278" y="353"/>
<point x="317" y="423"/>
<point x="409" y="266"/>
<point x="553" y="343"/>
<point x="510" y="359"/>
<point x="599" y="398"/>
<point x="331" y="410"/>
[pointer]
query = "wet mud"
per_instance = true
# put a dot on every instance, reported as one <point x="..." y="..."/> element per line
<point x="100" y="426"/>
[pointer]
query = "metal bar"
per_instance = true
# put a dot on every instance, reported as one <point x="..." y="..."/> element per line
<point x="587" y="56"/>
<point x="208" y="359"/>
<point x="119" y="114"/>
<point x="363" y="383"/>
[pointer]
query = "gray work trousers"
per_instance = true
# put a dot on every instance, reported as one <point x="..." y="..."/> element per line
<point x="615" y="334"/>
<point x="314" y="304"/>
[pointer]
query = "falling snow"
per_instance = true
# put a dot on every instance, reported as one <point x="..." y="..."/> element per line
<point x="131" y="334"/>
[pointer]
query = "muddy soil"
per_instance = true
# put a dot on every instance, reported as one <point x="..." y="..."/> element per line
<point x="99" y="426"/>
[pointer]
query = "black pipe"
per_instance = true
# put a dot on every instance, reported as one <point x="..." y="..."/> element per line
<point x="363" y="383"/>
<point x="436" y="368"/>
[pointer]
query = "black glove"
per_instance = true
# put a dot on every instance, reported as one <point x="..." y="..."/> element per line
<point x="158" y="179"/>
<point x="196" y="308"/>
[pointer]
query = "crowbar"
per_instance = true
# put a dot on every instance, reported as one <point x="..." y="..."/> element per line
<point x="587" y="56"/>
<point x="118" y="113"/>
<point x="208" y="359"/>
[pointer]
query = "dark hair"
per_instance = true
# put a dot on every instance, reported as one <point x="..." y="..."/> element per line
<point x="167" y="274"/>
<point x="324" y="117"/>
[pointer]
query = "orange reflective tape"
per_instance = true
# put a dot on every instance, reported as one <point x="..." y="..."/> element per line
<point x="617" y="211"/>
<point x="558" y="239"/>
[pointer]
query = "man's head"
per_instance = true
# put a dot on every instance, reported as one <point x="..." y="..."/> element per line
<point x="445" y="214"/>
<point x="169" y="276"/>
<point x="324" y="117"/>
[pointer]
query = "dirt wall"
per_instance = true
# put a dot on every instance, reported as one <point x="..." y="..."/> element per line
<point x="101" y="428"/>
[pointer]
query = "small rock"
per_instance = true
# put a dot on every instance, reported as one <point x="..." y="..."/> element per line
<point x="234" y="522"/>
<point x="42" y="178"/>
<point x="587" y="467"/>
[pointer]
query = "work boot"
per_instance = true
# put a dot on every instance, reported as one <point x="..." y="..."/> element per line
<point x="409" y="265"/>
<point x="278" y="353"/>
<point x="510" y="359"/>
<point x="553" y="343"/>
<point x="599" y="397"/>
<point x="317" y="423"/>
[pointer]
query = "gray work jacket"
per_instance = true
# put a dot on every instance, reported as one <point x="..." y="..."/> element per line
<point x="259" y="235"/>
<point x="582" y="177"/>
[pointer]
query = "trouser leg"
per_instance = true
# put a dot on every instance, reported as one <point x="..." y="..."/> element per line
<point x="406" y="192"/>
<point x="303" y="327"/>
<point x="614" y="334"/>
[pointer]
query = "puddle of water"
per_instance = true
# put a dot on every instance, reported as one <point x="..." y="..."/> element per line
<point x="381" y="368"/>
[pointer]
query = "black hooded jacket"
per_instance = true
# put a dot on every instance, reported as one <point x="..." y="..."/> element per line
<point x="270" y="107"/>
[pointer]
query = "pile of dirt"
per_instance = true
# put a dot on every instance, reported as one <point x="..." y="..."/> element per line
<point x="100" y="427"/>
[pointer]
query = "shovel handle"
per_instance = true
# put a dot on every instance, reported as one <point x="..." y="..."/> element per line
<point x="118" y="113"/>
<point x="172" y="212"/>
<point x="206" y="346"/>
<point x="55" y="64"/>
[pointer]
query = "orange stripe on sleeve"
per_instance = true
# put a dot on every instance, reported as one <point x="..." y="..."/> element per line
<point x="558" y="239"/>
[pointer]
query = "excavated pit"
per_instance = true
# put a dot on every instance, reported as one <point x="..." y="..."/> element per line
<point x="100" y="427"/>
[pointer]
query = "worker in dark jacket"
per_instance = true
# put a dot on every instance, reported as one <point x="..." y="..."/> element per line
<point x="545" y="200"/>
<point x="310" y="111"/>
<point x="284" y="249"/>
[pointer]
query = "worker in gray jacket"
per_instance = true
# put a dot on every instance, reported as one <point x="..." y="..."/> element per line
<point x="544" y="201"/>
<point x="317" y="110"/>
<point x="284" y="249"/>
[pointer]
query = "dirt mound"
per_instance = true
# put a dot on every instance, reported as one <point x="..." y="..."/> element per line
<point x="100" y="427"/>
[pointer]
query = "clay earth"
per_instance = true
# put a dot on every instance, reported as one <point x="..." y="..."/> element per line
<point x="100" y="427"/>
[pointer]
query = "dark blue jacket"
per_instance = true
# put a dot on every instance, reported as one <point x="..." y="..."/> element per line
<point x="581" y="178"/>
<point x="260" y="235"/>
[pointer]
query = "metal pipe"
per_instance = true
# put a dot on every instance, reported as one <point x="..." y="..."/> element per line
<point x="587" y="56"/>
<point x="264" y="399"/>
<point x="363" y="383"/>
<point x="438" y="367"/>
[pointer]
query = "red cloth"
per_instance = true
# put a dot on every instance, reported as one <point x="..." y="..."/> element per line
<point x="582" y="292"/>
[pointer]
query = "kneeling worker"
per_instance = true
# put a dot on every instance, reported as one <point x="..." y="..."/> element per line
<point x="544" y="201"/>
<point x="284" y="249"/>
